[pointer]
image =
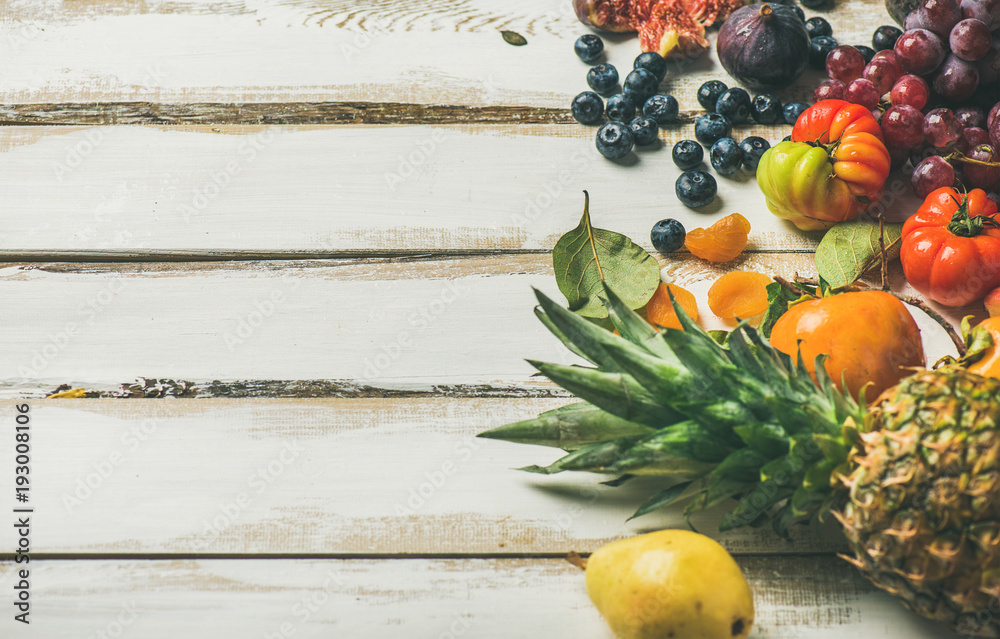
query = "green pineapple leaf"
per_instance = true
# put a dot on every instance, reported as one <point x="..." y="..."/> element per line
<point x="662" y="499"/>
<point x="586" y="259"/>
<point x="568" y="427"/>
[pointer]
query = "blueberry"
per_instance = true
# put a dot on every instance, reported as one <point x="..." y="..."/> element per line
<point x="766" y="109"/>
<point x="588" y="108"/>
<point x="662" y="108"/>
<point x="818" y="48"/>
<point x="711" y="127"/>
<point x="793" y="110"/>
<point x="708" y="94"/>
<point x="654" y="63"/>
<point x="734" y="104"/>
<point x="752" y="149"/>
<point x="620" y="108"/>
<point x="695" y="189"/>
<point x="640" y="85"/>
<point x="726" y="156"/>
<point x="614" y="140"/>
<point x="885" y="37"/>
<point x="644" y="130"/>
<point x="813" y="4"/>
<point x="787" y="138"/>
<point x="867" y="52"/>
<point x="688" y="154"/>
<point x="603" y="78"/>
<point x="667" y="235"/>
<point x="799" y="13"/>
<point x="818" y="27"/>
<point x="589" y="47"/>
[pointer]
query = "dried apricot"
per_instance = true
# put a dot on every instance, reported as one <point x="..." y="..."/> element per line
<point x="660" y="312"/>
<point x="739" y="294"/>
<point x="721" y="242"/>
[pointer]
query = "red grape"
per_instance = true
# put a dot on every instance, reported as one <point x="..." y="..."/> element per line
<point x="988" y="11"/>
<point x="979" y="176"/>
<point x="903" y="127"/>
<point x="939" y="16"/>
<point x="911" y="90"/>
<point x="919" y="51"/>
<point x="972" y="137"/>
<point x="845" y="63"/>
<point x="970" y="39"/>
<point x="829" y="90"/>
<point x="883" y="74"/>
<point x="886" y="54"/>
<point x="992" y="115"/>
<point x="970" y="116"/>
<point x="957" y="79"/>
<point x="994" y="130"/>
<point x="941" y="127"/>
<point x="863" y="92"/>
<point x="912" y="21"/>
<point x="989" y="65"/>
<point x="932" y="174"/>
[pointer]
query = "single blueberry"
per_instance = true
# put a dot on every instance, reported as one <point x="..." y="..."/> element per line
<point x="885" y="37"/>
<point x="752" y="149"/>
<point x="687" y="154"/>
<point x="818" y="27"/>
<point x="667" y="235"/>
<point x="603" y="78"/>
<point x="726" y="156"/>
<point x="734" y="104"/>
<point x="620" y="108"/>
<point x="588" y="108"/>
<point x="766" y="109"/>
<point x="708" y="94"/>
<point x="662" y="108"/>
<point x="813" y="4"/>
<point x="639" y="85"/>
<point x="614" y="140"/>
<point x="589" y="48"/>
<point x="818" y="48"/>
<point x="695" y="189"/>
<point x="798" y="12"/>
<point x="644" y="130"/>
<point x="867" y="52"/>
<point x="711" y="127"/>
<point x="793" y="110"/>
<point x="654" y="63"/>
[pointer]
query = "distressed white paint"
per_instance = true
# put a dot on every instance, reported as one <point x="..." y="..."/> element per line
<point x="423" y="599"/>
<point x="357" y="189"/>
<point x="418" y="52"/>
<point x="411" y="324"/>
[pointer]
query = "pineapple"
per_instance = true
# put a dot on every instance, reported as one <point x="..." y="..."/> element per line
<point x="914" y="479"/>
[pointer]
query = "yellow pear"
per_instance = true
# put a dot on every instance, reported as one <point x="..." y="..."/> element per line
<point x="670" y="584"/>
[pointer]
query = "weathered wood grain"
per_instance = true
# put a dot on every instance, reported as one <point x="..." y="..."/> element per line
<point x="176" y="193"/>
<point x="404" y="325"/>
<point x="447" y="53"/>
<point x="795" y="598"/>
<point x="369" y="477"/>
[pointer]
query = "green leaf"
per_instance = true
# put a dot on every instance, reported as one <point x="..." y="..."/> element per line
<point x="662" y="499"/>
<point x="850" y="249"/>
<point x="514" y="38"/>
<point x="778" y="299"/>
<point x="569" y="427"/>
<point x="586" y="257"/>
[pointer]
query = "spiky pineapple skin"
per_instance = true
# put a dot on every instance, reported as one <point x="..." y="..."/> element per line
<point x="923" y="508"/>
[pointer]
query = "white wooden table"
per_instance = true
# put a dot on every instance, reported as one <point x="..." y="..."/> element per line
<point x="313" y="226"/>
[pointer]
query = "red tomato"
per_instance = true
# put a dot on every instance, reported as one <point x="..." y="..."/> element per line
<point x="951" y="247"/>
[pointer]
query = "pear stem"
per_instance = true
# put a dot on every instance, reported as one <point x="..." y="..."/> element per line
<point x="575" y="559"/>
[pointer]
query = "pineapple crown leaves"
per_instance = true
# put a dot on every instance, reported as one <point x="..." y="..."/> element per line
<point x="738" y="420"/>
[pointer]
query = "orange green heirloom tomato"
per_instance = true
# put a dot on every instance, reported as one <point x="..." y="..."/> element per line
<point x="834" y="166"/>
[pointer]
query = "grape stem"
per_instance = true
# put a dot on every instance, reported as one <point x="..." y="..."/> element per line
<point x="906" y="299"/>
<point x="958" y="156"/>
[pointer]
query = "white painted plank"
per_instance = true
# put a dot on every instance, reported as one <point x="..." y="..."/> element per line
<point x="817" y="598"/>
<point x="428" y="53"/>
<point x="344" y="477"/>
<point x="403" y="324"/>
<point x="139" y="190"/>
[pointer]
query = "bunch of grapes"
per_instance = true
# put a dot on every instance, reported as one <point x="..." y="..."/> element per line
<point x="930" y="87"/>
